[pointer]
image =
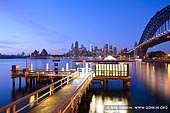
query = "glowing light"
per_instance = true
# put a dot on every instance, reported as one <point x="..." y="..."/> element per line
<point x="62" y="69"/>
<point x="32" y="98"/>
<point x="169" y="71"/>
<point x="98" y="104"/>
<point x="110" y="58"/>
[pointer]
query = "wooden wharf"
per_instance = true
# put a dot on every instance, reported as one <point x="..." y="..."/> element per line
<point x="66" y="99"/>
<point x="64" y="95"/>
<point x="61" y="96"/>
<point x="38" y="75"/>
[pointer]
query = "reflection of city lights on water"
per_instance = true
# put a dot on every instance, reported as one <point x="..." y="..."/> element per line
<point x="153" y="77"/>
<point x="32" y="98"/>
<point x="168" y="71"/>
<point x="99" y="103"/>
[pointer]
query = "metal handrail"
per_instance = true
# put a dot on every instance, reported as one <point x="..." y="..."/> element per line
<point x="71" y="97"/>
<point x="12" y="106"/>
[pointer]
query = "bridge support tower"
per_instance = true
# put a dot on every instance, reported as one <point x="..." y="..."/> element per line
<point x="139" y="53"/>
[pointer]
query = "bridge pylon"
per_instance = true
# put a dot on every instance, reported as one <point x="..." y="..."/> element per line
<point x="140" y="53"/>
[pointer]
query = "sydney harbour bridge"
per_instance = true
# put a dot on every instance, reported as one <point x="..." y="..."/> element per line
<point x="156" y="32"/>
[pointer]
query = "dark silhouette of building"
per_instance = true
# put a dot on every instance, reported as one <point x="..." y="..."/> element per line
<point x="44" y="53"/>
<point x="114" y="51"/>
<point x="75" y="51"/>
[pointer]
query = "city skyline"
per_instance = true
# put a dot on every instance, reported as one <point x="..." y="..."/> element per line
<point x="79" y="50"/>
<point x="29" y="25"/>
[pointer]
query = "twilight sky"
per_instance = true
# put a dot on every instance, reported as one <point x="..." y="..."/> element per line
<point x="26" y="25"/>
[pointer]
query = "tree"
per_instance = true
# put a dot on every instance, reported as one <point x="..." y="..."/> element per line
<point x="157" y="54"/>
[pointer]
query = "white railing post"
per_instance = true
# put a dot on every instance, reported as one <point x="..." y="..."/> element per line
<point x="8" y="110"/>
<point x="59" y="111"/>
<point x="61" y="83"/>
<point x="36" y="97"/>
<point x="14" y="108"/>
<point x="67" y="80"/>
<point x="51" y="89"/>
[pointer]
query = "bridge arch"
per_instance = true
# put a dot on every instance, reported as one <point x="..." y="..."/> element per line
<point x="156" y="31"/>
<point x="157" y="23"/>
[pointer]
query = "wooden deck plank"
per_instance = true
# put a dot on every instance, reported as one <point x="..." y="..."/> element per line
<point x="52" y="102"/>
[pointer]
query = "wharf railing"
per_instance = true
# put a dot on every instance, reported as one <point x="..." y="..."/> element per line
<point x="84" y="70"/>
<point x="37" y="72"/>
<point x="112" y="70"/>
<point x="38" y="96"/>
<point x="74" y="99"/>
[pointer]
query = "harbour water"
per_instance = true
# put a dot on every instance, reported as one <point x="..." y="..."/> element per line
<point x="150" y="87"/>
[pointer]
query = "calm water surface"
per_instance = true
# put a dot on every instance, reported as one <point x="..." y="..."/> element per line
<point x="150" y="85"/>
<point x="7" y="93"/>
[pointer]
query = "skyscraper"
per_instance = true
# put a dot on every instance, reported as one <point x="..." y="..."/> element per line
<point x="110" y="50"/>
<point x="91" y="48"/>
<point x="123" y="50"/>
<point x="95" y="48"/>
<point x="82" y="46"/>
<point x="106" y="46"/>
<point x="114" y="50"/>
<point x="72" y="46"/>
<point x="135" y="51"/>
<point x="76" y="50"/>
<point x="76" y="44"/>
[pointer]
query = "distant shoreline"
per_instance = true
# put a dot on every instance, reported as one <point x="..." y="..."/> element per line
<point x="12" y="57"/>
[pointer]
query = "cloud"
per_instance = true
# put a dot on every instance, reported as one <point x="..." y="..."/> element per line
<point x="58" y="51"/>
<point x="31" y="23"/>
<point x="45" y="33"/>
<point x="41" y="30"/>
<point x="6" y="47"/>
<point x="10" y="47"/>
<point x="7" y="42"/>
<point x="40" y="34"/>
<point x="13" y="50"/>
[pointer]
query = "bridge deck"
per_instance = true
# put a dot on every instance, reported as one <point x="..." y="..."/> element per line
<point x="49" y="105"/>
